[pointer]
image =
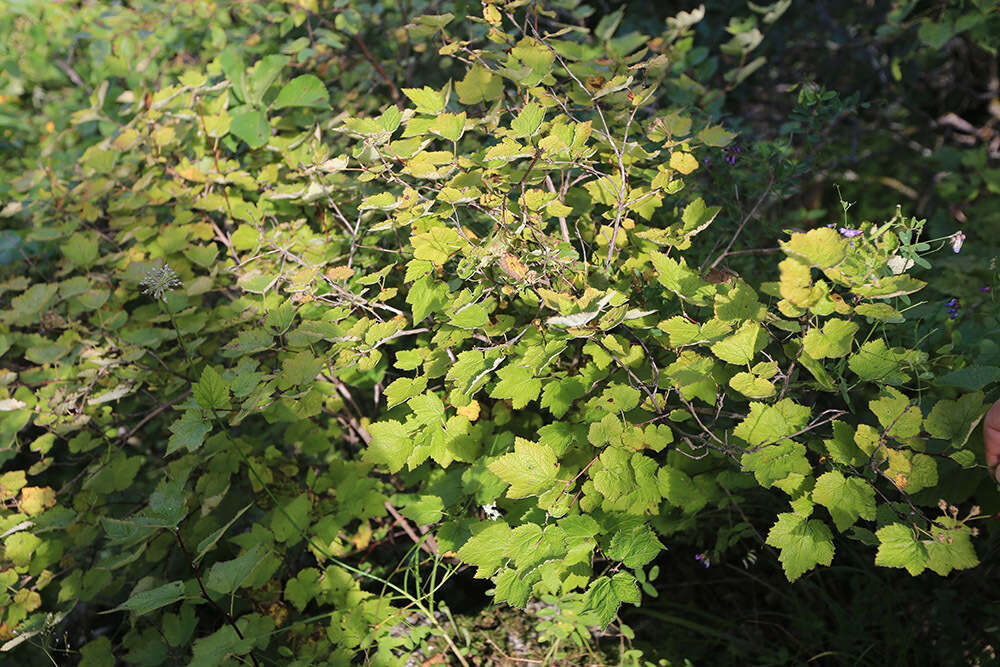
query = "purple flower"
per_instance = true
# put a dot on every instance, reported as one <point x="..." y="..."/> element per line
<point x="703" y="559"/>
<point x="952" y="303"/>
<point x="850" y="233"/>
<point x="984" y="289"/>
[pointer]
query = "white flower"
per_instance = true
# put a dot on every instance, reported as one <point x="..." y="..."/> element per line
<point x="957" y="239"/>
<point x="160" y="280"/>
<point x="491" y="511"/>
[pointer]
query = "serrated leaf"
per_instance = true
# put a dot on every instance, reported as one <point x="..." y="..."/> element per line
<point x="970" y="379"/>
<point x="449" y="126"/>
<point x="899" y="548"/>
<point x="227" y="576"/>
<point x="772" y="423"/>
<point x="680" y="490"/>
<point x="558" y="395"/>
<point x="428" y="100"/>
<point x="487" y="549"/>
<point x="403" y="389"/>
<point x="804" y="544"/>
<point x="211" y="390"/>
<point x="955" y="420"/>
<point x="605" y="595"/>
<point x="391" y="445"/>
<point x="847" y="499"/>
<point x="188" y="431"/>
<point x="822" y="247"/>
<point x="742" y="346"/>
<point x="299" y="369"/>
<point x="832" y="341"/>
<point x="899" y="416"/>
<point x="627" y="481"/>
<point x="635" y="547"/>
<point x="518" y="384"/>
<point x="209" y="542"/>
<point x="683" y="162"/>
<point x="151" y="600"/>
<point x="949" y="550"/>
<point x="752" y="386"/>
<point x="479" y="85"/>
<point x="528" y="121"/>
<point x="530" y="469"/>
<point x="290" y="519"/>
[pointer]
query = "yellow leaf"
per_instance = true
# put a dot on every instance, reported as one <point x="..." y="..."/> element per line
<point x="683" y="162"/>
<point x="470" y="411"/>
<point x="340" y="273"/>
<point x="36" y="499"/>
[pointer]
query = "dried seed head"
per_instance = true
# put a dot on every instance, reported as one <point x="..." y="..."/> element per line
<point x="158" y="281"/>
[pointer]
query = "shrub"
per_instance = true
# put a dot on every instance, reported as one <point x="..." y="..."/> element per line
<point x="253" y="324"/>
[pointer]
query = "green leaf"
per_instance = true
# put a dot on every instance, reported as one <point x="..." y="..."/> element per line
<point x="530" y="469"/>
<point x="681" y="280"/>
<point x="822" y="247"/>
<point x="227" y="576"/>
<point x="151" y="600"/>
<point x="251" y="126"/>
<point x="425" y="297"/>
<point x="899" y="548"/>
<point x="775" y="462"/>
<point x="742" y="346"/>
<point x="935" y="35"/>
<point x="627" y="481"/>
<point x="843" y="448"/>
<point x="403" y="389"/>
<point x="428" y="100"/>
<point x="635" y="547"/>
<point x="949" y="550"/>
<point x="804" y="544"/>
<point x="899" y="416"/>
<point x="716" y="136"/>
<point x="875" y="362"/>
<point x="232" y="66"/>
<point x="212" y="651"/>
<point x="486" y="549"/>
<point x="290" y="519"/>
<point x="299" y="369"/>
<point x="752" y="386"/>
<point x="303" y="91"/>
<point x="449" y="126"/>
<point x="188" y="431"/>
<point x="605" y="595"/>
<point x="428" y="408"/>
<point x="209" y="542"/>
<point x="970" y="379"/>
<point x="558" y="395"/>
<point x="833" y="341"/>
<point x="527" y="122"/>
<point x="479" y="85"/>
<point x="738" y="303"/>
<point x="390" y="445"/>
<point x="211" y="390"/>
<point x="955" y="420"/>
<point x="303" y="587"/>
<point x="697" y="216"/>
<point x="680" y="490"/>
<point x="264" y="74"/>
<point x="847" y="499"/>
<point x="518" y="384"/>
<point x="772" y="423"/>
